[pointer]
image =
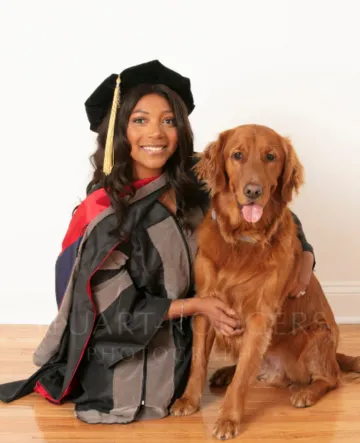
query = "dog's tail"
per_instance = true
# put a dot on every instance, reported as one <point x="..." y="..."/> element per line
<point x="350" y="367"/>
<point x="347" y="363"/>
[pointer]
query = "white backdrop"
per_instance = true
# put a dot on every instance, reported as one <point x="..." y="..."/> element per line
<point x="292" y="65"/>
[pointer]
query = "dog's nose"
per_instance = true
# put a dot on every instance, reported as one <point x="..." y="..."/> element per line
<point x="253" y="191"/>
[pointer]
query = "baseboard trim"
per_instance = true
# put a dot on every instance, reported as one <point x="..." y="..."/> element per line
<point x="341" y="287"/>
<point x="347" y="320"/>
<point x="344" y="298"/>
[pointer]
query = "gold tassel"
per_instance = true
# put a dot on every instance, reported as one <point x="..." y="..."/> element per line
<point x="109" y="146"/>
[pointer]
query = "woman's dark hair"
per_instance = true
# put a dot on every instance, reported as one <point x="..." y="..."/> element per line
<point x="178" y="166"/>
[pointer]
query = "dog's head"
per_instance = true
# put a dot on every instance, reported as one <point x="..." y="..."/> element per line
<point x="255" y="164"/>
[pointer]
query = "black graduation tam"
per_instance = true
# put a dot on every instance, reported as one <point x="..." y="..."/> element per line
<point x="153" y="72"/>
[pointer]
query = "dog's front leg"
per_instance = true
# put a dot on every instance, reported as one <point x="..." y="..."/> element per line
<point x="204" y="336"/>
<point x="256" y="340"/>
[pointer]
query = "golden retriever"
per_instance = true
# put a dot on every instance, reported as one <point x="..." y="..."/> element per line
<point x="249" y="256"/>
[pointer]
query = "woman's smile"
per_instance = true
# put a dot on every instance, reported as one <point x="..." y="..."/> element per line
<point x="154" y="150"/>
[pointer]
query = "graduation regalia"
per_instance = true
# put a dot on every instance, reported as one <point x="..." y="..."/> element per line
<point x="109" y="349"/>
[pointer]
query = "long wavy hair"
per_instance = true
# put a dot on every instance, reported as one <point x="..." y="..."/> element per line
<point x="121" y="177"/>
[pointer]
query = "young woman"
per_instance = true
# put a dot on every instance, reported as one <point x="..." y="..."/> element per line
<point x="120" y="346"/>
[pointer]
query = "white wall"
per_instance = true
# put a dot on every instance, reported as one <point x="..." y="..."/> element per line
<point x="293" y="65"/>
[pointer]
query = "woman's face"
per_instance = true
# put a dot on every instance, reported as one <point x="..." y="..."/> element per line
<point x="152" y="135"/>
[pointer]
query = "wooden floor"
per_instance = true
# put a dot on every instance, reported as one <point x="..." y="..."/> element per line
<point x="269" y="416"/>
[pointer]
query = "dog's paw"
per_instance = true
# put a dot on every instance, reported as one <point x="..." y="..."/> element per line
<point x="226" y="429"/>
<point x="183" y="406"/>
<point x="222" y="377"/>
<point x="303" y="398"/>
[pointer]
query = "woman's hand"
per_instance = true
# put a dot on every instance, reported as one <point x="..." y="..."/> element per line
<point x="221" y="317"/>
<point x="306" y="270"/>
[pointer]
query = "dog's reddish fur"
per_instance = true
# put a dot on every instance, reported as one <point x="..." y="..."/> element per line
<point x="287" y="342"/>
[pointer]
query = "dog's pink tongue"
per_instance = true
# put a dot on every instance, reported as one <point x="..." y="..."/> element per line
<point x="252" y="213"/>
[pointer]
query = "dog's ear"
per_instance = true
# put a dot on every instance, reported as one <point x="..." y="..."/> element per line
<point x="210" y="166"/>
<point x="293" y="174"/>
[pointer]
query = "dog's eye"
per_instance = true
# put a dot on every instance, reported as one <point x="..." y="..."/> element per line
<point x="270" y="157"/>
<point x="237" y="155"/>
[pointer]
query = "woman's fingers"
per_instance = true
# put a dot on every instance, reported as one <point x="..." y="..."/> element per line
<point x="298" y="291"/>
<point x="226" y="330"/>
<point x="229" y="330"/>
<point x="231" y="322"/>
<point x="237" y="332"/>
